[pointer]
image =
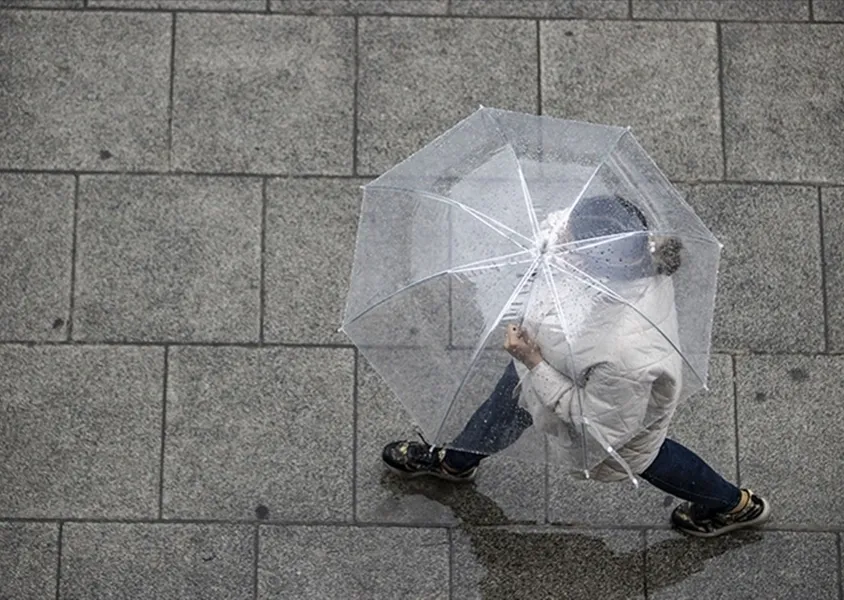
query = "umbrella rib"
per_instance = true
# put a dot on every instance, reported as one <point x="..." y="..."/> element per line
<point x="522" y="283"/>
<point x="524" y="242"/>
<point x="595" y="431"/>
<point x="595" y="242"/>
<point x="493" y="265"/>
<point x="688" y="236"/>
<point x="487" y="263"/>
<point x="623" y="172"/>
<point x="604" y="289"/>
<point x="549" y="280"/>
<point x="534" y="223"/>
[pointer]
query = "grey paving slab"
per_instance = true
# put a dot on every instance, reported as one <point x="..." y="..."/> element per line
<point x="543" y="9"/>
<point x="72" y="100"/>
<point x="725" y="10"/>
<point x="833" y="237"/>
<point x="29" y="558"/>
<point x="42" y="3"/>
<point x="168" y="258"/>
<point x="310" y="242"/>
<point x="221" y="5"/>
<point x="769" y="284"/>
<point x="356" y="7"/>
<point x="151" y="561"/>
<point x="259" y="433"/>
<point x="81" y="431"/>
<point x="744" y="565"/>
<point x="36" y="239"/>
<point x="505" y="491"/>
<point x="828" y="10"/>
<point x="263" y="94"/>
<point x="705" y="424"/>
<point x="791" y="421"/>
<point x="841" y="564"/>
<point x="782" y="95"/>
<point x="418" y="77"/>
<point x="660" y="79"/>
<point x="345" y="562"/>
<point x="517" y="562"/>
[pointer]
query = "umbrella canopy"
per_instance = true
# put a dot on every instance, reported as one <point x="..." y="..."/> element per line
<point x="547" y="223"/>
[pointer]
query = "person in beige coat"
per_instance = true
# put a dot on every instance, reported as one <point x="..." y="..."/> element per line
<point x="607" y="380"/>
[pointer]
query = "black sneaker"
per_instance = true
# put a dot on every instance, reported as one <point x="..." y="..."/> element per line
<point x="695" y="520"/>
<point x="414" y="459"/>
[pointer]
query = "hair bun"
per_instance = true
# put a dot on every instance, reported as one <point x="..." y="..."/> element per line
<point x="666" y="255"/>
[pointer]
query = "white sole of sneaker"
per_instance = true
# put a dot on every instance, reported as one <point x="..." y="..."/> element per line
<point x="441" y="475"/>
<point x="766" y="514"/>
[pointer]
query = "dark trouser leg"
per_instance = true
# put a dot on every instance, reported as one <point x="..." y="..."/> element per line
<point x="497" y="424"/>
<point x="682" y="473"/>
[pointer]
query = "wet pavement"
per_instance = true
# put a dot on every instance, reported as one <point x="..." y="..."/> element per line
<point x="179" y="194"/>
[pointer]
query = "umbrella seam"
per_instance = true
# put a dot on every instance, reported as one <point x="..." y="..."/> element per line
<point x="598" y="167"/>
<point x="534" y="224"/>
<point x="546" y="271"/>
<point x="487" y="263"/>
<point x="483" y="342"/>
<point x="604" y="289"/>
<point x="478" y="215"/>
<point x="692" y="216"/>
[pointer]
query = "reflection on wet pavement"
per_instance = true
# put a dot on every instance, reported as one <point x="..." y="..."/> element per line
<point x="497" y="559"/>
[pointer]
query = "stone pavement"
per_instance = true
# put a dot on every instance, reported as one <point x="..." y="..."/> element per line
<point x="178" y="203"/>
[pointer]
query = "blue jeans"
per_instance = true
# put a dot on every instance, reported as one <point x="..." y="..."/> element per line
<point x="676" y="470"/>
<point x="496" y="425"/>
<point x="682" y="473"/>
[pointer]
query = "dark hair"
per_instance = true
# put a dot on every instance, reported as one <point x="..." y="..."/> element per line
<point x="666" y="255"/>
<point x="598" y="216"/>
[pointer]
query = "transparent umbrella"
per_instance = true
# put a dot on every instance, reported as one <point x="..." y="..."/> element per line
<point x="474" y="233"/>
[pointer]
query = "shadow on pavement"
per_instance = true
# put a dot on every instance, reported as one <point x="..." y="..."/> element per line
<point x="496" y="559"/>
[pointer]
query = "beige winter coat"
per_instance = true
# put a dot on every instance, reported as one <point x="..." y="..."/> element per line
<point x="619" y="372"/>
